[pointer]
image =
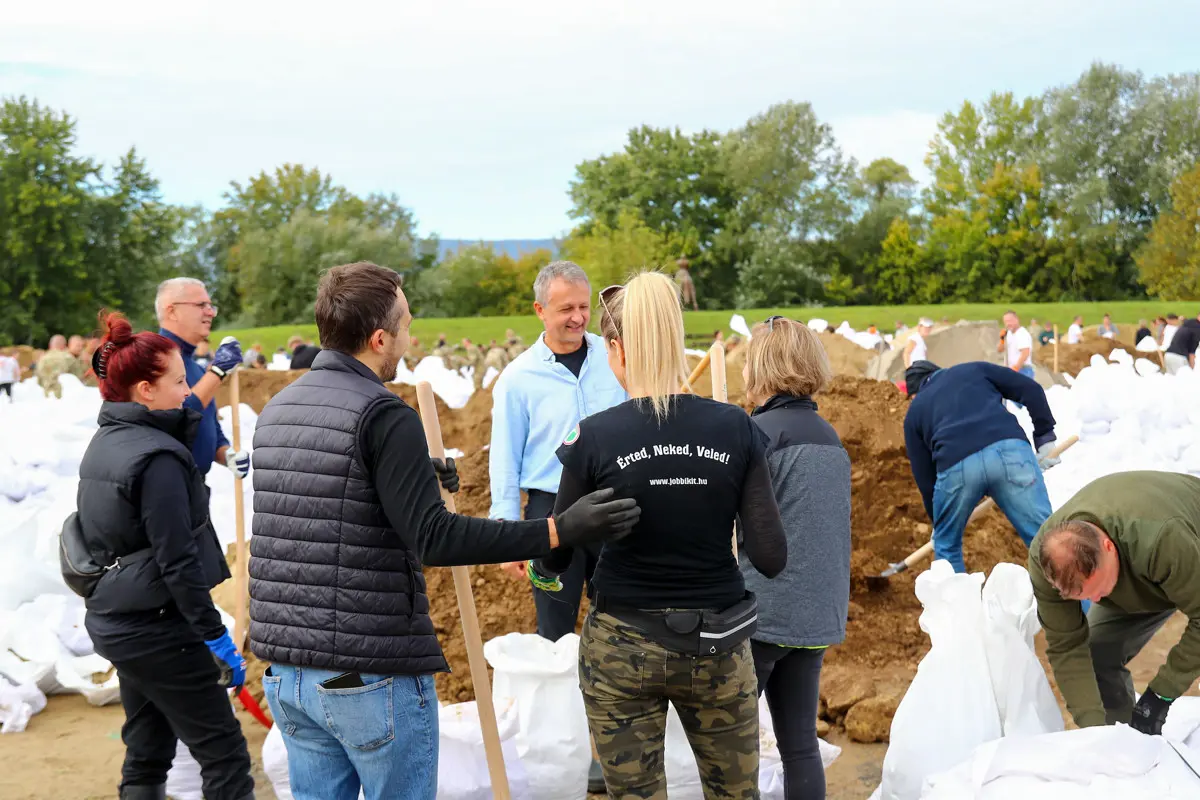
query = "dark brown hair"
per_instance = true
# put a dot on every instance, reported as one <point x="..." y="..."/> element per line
<point x="1069" y="554"/>
<point x="354" y="301"/>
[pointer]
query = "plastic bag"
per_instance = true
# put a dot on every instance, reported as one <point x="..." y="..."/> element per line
<point x="275" y="764"/>
<point x="949" y="708"/>
<point x="542" y="679"/>
<point x="1024" y="698"/>
<point x="462" y="763"/>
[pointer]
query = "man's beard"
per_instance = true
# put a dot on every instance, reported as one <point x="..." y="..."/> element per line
<point x="387" y="370"/>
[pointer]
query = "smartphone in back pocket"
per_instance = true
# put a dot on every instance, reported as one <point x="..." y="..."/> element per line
<point x="347" y="680"/>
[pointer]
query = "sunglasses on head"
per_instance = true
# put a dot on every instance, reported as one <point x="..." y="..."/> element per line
<point x="771" y="322"/>
<point x="607" y="292"/>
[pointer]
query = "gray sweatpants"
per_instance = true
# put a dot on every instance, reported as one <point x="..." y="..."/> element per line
<point x="1116" y="638"/>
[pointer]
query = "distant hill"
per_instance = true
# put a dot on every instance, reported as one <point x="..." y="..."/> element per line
<point x="513" y="247"/>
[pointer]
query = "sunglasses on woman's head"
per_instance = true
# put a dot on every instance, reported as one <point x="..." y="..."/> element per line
<point x="607" y="292"/>
<point x="771" y="322"/>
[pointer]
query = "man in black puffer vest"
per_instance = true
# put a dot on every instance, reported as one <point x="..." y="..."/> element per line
<point x="346" y="510"/>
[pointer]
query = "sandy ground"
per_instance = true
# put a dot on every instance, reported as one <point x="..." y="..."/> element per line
<point x="73" y="751"/>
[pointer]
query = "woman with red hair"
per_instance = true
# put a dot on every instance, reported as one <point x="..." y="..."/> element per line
<point x="143" y="509"/>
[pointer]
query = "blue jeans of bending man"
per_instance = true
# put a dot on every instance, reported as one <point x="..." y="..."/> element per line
<point x="382" y="736"/>
<point x="1007" y="471"/>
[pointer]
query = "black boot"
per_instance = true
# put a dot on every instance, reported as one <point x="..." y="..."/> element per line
<point x="144" y="792"/>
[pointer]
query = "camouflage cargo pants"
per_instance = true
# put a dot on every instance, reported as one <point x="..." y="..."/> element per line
<point x="627" y="681"/>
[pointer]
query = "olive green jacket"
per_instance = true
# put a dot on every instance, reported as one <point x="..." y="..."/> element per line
<point x="1153" y="518"/>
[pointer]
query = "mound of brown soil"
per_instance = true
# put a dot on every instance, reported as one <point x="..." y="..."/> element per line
<point x="1072" y="358"/>
<point x="845" y="357"/>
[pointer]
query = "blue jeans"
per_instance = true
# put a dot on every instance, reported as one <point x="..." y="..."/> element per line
<point x="382" y="736"/>
<point x="1008" y="472"/>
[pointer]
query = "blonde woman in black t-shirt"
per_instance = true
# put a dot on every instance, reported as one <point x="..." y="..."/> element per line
<point x="671" y="617"/>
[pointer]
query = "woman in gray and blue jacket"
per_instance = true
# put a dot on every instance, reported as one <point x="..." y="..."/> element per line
<point x="803" y="610"/>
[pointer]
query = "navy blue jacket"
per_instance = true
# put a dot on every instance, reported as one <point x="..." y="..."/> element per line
<point x="209" y="436"/>
<point x="960" y="410"/>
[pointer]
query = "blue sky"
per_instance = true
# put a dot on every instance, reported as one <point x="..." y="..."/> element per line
<point x="476" y="113"/>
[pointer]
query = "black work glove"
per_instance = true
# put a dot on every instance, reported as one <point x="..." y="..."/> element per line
<point x="1150" y="713"/>
<point x="447" y="474"/>
<point x="596" y="518"/>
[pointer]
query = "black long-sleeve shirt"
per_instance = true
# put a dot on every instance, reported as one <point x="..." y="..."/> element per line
<point x="396" y="455"/>
<point x="166" y="518"/>
<point x="691" y="474"/>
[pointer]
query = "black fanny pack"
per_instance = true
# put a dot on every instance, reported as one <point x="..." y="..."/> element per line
<point x="81" y="570"/>
<point x="697" y="632"/>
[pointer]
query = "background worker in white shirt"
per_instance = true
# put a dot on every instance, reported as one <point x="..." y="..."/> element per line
<point x="917" y="349"/>
<point x="1075" y="332"/>
<point x="1018" y="345"/>
<point x="538" y="400"/>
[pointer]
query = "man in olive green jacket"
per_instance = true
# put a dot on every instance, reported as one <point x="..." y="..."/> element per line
<point x="1129" y="544"/>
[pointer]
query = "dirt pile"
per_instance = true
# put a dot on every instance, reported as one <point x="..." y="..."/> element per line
<point x="845" y="357"/>
<point x="1072" y="358"/>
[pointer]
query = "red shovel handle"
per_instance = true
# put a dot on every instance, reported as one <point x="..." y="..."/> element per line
<point x="251" y="705"/>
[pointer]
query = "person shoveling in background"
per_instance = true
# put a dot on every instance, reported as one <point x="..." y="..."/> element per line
<point x="803" y="610"/>
<point x="347" y="511"/>
<point x="1128" y="544"/>
<point x="963" y="444"/>
<point x="143" y="507"/>
<point x="672" y="618"/>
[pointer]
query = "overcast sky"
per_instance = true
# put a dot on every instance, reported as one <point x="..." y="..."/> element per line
<point x="475" y="114"/>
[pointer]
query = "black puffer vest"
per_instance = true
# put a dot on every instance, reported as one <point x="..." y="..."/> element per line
<point x="109" y="504"/>
<point x="331" y="583"/>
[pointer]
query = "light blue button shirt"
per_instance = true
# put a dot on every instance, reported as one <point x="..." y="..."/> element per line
<point x="536" y="402"/>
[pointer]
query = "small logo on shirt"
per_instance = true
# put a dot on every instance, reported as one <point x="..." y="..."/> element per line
<point x="573" y="436"/>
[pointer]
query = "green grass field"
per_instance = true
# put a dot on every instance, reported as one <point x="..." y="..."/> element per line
<point x="484" y="329"/>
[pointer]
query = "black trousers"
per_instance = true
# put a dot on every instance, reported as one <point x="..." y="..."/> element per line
<point x="557" y="612"/>
<point x="791" y="678"/>
<point x="173" y="695"/>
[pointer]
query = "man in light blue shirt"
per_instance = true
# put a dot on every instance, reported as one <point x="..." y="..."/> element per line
<point x="538" y="400"/>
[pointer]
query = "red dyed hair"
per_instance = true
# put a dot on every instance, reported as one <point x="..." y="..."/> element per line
<point x="126" y="359"/>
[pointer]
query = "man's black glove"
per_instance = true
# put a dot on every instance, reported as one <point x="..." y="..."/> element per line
<point x="447" y="474"/>
<point x="1150" y="713"/>
<point x="594" y="517"/>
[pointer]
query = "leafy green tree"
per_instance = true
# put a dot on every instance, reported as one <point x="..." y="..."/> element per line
<point x="281" y="266"/>
<point x="44" y="199"/>
<point x="610" y="254"/>
<point x="1169" y="262"/>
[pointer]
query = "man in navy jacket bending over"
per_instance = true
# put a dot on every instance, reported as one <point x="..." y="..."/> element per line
<point x="964" y="444"/>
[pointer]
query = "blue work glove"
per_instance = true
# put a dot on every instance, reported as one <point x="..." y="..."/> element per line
<point x="1150" y="713"/>
<point x="227" y="358"/>
<point x="238" y="462"/>
<point x="447" y="473"/>
<point x="227" y="657"/>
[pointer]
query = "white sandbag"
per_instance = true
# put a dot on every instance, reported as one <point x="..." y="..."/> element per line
<point x="770" y="761"/>
<point x="1100" y="763"/>
<point x="683" y="773"/>
<point x="949" y="709"/>
<point x="18" y="703"/>
<point x="1023" y="695"/>
<point x="737" y="324"/>
<point x="183" y="779"/>
<point x="275" y="764"/>
<point x="462" y="762"/>
<point x="552" y="736"/>
<point x="819" y="325"/>
<point x="73" y="675"/>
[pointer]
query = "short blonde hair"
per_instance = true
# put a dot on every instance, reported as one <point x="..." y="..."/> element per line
<point x="786" y="357"/>
<point x="646" y="318"/>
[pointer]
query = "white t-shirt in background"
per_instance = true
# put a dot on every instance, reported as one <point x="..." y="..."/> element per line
<point x="1168" y="335"/>
<point x="10" y="369"/>
<point x="1015" y="342"/>
<point x="1074" y="333"/>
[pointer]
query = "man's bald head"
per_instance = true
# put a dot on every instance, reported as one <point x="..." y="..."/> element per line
<point x="75" y="345"/>
<point x="1071" y="554"/>
<point x="58" y="342"/>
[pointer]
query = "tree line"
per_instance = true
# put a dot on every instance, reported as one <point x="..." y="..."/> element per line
<point x="1089" y="191"/>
